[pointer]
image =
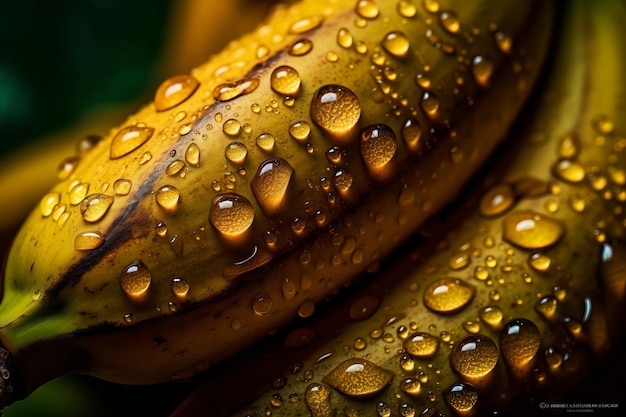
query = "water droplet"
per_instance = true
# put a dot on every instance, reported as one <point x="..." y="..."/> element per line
<point x="168" y="197"/>
<point x="461" y="397"/>
<point x="531" y="230"/>
<point x="174" y="91"/>
<point x="504" y="42"/>
<point x="122" y="186"/>
<point x="482" y="69"/>
<point x="135" y="279"/>
<point x="342" y="180"/>
<point x="421" y="345"/>
<point x="569" y="171"/>
<point x="481" y="273"/>
<point x="231" y="127"/>
<point x="230" y="91"/>
<point x="301" y="47"/>
<point x="78" y="192"/>
<point x="95" y="206"/>
<point x="396" y="43"/>
<point x="88" y="240"/>
<point x="519" y="342"/>
<point x="539" y="262"/>
<point x="358" y="378"/>
<point x="317" y="400"/>
<point x="363" y="307"/>
<point x="492" y="316"/>
<point x="270" y="184"/>
<point x="497" y="200"/>
<point x="429" y="104"/>
<point x="236" y="152"/>
<point x="179" y="287"/>
<point x="306" y="309"/>
<point x="251" y="267"/>
<point x="300" y="131"/>
<point x="231" y="214"/>
<point x="474" y="356"/>
<point x="432" y="6"/>
<point x="192" y="154"/>
<point x="265" y="141"/>
<point x="128" y="139"/>
<point x="175" y="167"/>
<point x="367" y="9"/>
<point x="305" y="25"/>
<point x="602" y="124"/>
<point x="87" y="143"/>
<point x="547" y="306"/>
<point x="406" y="8"/>
<point x="285" y="80"/>
<point x="378" y="146"/>
<point x="66" y="167"/>
<point x="344" y="38"/>
<point x="450" y="21"/>
<point x="448" y="295"/>
<point x="336" y="109"/>
<point x="411" y="134"/>
<point x="459" y="261"/>
<point x="262" y="304"/>
<point x="411" y="386"/>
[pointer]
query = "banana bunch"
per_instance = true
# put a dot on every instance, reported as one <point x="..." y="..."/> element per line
<point x="301" y="156"/>
<point x="510" y="300"/>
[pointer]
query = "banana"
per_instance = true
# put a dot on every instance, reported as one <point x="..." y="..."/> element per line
<point x="260" y="184"/>
<point x="504" y="308"/>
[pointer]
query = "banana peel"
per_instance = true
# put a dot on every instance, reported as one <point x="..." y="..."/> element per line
<point x="531" y="258"/>
<point x="73" y="308"/>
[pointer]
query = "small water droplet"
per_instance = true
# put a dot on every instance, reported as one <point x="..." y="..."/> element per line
<point x="231" y="127"/>
<point x="230" y="91"/>
<point x="450" y="21"/>
<point x="66" y="167"/>
<point x="78" y="192"/>
<point x="429" y="104"/>
<point x="603" y="124"/>
<point x="301" y="47"/>
<point x="482" y="69"/>
<point x="300" y="131"/>
<point x="174" y="91"/>
<point x="336" y="109"/>
<point x="519" y="342"/>
<point x="569" y="171"/>
<point x="406" y="8"/>
<point x="367" y="9"/>
<point x="378" y="146"/>
<point x="474" y="356"/>
<point x="285" y="80"/>
<point x="539" y="261"/>
<point x="344" y="38"/>
<point x="231" y="214"/>
<point x="122" y="186"/>
<point x="497" y="200"/>
<point x="135" y="279"/>
<point x="168" y="197"/>
<point x="266" y="142"/>
<point x="531" y="230"/>
<point x="87" y="143"/>
<point x="88" y="240"/>
<point x="305" y="25"/>
<point x="547" y="306"/>
<point x="95" y="206"/>
<point x="175" y="167"/>
<point x="270" y="184"/>
<point x="448" y="295"/>
<point x="461" y="397"/>
<point x="236" y="152"/>
<point x="179" y="287"/>
<point x="492" y="316"/>
<point x="411" y="134"/>
<point x="358" y="378"/>
<point x="396" y="43"/>
<point x="192" y="154"/>
<point x="262" y="304"/>
<point x="317" y="400"/>
<point x="128" y="139"/>
<point x="421" y="345"/>
<point x="411" y="386"/>
<point x="504" y="42"/>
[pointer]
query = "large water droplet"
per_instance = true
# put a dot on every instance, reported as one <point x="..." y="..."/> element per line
<point x="378" y="146"/>
<point x="448" y="295"/>
<point x="230" y="91"/>
<point x="128" y="139"/>
<point x="231" y="214"/>
<point x="396" y="43"/>
<point x="95" y="206"/>
<point x="285" y="80"/>
<point x="174" y="91"/>
<point x="270" y="184"/>
<point x="336" y="109"/>
<point x="474" y="356"/>
<point x="461" y="397"/>
<point x="358" y="378"/>
<point x="317" y="400"/>
<point x="88" y="240"/>
<point x="519" y="342"/>
<point x="421" y="345"/>
<point x="531" y="230"/>
<point x="135" y="279"/>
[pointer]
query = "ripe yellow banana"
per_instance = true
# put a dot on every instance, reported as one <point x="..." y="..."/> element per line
<point x="517" y="304"/>
<point x="260" y="184"/>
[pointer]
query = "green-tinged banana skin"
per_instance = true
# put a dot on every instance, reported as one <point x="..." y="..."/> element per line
<point x="524" y="296"/>
<point x="162" y="253"/>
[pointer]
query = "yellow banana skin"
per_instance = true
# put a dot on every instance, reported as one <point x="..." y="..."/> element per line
<point x="548" y="305"/>
<point x="164" y="270"/>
